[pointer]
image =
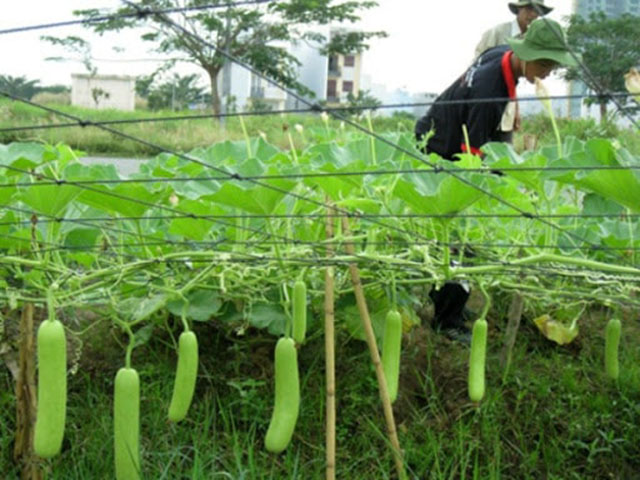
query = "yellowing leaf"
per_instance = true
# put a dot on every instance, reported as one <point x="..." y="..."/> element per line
<point x="556" y="331"/>
<point x="632" y="83"/>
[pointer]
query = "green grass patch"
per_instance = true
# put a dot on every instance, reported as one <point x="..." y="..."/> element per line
<point x="555" y="415"/>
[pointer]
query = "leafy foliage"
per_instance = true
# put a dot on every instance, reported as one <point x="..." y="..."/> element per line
<point x="608" y="46"/>
<point x="253" y="34"/>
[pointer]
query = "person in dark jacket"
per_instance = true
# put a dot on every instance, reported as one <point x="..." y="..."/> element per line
<point x="477" y="100"/>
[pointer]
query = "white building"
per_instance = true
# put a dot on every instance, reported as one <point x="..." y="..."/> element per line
<point x="330" y="79"/>
<point x="103" y="91"/>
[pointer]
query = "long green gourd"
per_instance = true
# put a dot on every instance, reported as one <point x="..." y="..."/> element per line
<point x="287" y="397"/>
<point x="299" y="329"/>
<point x="126" y="424"/>
<point x="477" y="360"/>
<point x="611" y="346"/>
<point x="391" y="347"/>
<point x="186" y="374"/>
<point x="52" y="388"/>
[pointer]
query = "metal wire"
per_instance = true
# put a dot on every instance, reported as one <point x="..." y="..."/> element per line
<point x="592" y="79"/>
<point x="312" y="216"/>
<point x="314" y="107"/>
<point x="412" y="154"/>
<point x="313" y="110"/>
<point x="230" y="175"/>
<point x="302" y="176"/>
<point x="140" y="13"/>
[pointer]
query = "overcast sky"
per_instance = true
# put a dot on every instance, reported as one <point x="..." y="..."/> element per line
<point x="430" y="42"/>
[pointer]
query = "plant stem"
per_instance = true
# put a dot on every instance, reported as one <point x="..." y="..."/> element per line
<point x="372" y="140"/>
<point x="446" y="252"/>
<point x="545" y="258"/>
<point x="330" y="362"/>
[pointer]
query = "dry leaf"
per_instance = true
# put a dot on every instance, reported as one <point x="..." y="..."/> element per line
<point x="556" y="331"/>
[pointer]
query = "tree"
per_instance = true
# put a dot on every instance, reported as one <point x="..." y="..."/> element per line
<point x="177" y="93"/>
<point x="19" y="86"/>
<point x="361" y="103"/>
<point x="253" y="34"/>
<point x="609" y="48"/>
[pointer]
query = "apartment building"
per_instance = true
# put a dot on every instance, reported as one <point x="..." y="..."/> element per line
<point x="330" y="79"/>
<point x="343" y="77"/>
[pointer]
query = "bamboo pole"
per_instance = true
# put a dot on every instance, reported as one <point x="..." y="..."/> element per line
<point x="375" y="356"/>
<point x="26" y="400"/>
<point x="330" y="362"/>
<point x="513" y="323"/>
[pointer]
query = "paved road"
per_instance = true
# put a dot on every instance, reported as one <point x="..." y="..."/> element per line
<point x="125" y="166"/>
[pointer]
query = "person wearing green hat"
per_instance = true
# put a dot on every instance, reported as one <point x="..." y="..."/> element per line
<point x="526" y="11"/>
<point x="477" y="100"/>
<point x="479" y="96"/>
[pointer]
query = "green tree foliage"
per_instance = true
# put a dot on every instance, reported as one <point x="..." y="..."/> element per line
<point x="19" y="86"/>
<point x="609" y="48"/>
<point x="253" y="33"/>
<point x="24" y="88"/>
<point x="362" y="102"/>
<point x="177" y="93"/>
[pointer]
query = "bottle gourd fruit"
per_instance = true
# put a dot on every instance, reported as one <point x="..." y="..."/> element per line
<point x="287" y="397"/>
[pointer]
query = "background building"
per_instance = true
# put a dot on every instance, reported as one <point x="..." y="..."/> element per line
<point x="103" y="91"/>
<point x="330" y="79"/>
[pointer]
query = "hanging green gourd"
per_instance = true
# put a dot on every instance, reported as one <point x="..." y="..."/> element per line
<point x="612" y="344"/>
<point x="287" y="397"/>
<point x="186" y="373"/>
<point x="299" y="307"/>
<point x="52" y="384"/>
<point x="391" y="348"/>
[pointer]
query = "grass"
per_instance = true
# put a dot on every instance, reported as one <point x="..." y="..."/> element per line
<point x="554" y="417"/>
<point x="175" y="135"/>
<point x="184" y="136"/>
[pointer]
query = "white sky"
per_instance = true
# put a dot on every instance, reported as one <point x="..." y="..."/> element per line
<point x="430" y="42"/>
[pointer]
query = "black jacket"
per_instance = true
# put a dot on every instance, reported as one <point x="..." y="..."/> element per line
<point x="490" y="76"/>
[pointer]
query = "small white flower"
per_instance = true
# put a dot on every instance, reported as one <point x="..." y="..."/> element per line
<point x="324" y="116"/>
<point x="342" y="126"/>
<point x="299" y="128"/>
<point x="173" y="199"/>
<point x="263" y="135"/>
<point x="543" y="95"/>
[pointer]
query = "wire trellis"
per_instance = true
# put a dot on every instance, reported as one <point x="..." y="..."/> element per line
<point x="273" y="239"/>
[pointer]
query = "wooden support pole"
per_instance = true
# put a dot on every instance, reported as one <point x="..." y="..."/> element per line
<point x="513" y="323"/>
<point x="330" y="362"/>
<point x="26" y="399"/>
<point x="375" y="356"/>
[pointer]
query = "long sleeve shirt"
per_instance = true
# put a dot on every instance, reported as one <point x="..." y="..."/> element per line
<point x="490" y="77"/>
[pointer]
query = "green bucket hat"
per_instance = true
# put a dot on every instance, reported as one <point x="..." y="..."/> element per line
<point x="513" y="6"/>
<point x="544" y="40"/>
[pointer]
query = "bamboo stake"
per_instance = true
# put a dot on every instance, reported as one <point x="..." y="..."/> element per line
<point x="26" y="399"/>
<point x="330" y="362"/>
<point x="375" y="356"/>
<point x="513" y="323"/>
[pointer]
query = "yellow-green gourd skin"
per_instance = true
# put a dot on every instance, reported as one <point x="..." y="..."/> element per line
<point x="52" y="389"/>
<point x="186" y="373"/>
<point x="477" y="359"/>
<point x="126" y="423"/>
<point x="287" y="397"/>
<point x="299" y="311"/>
<point x="391" y="347"/>
<point x="612" y="342"/>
